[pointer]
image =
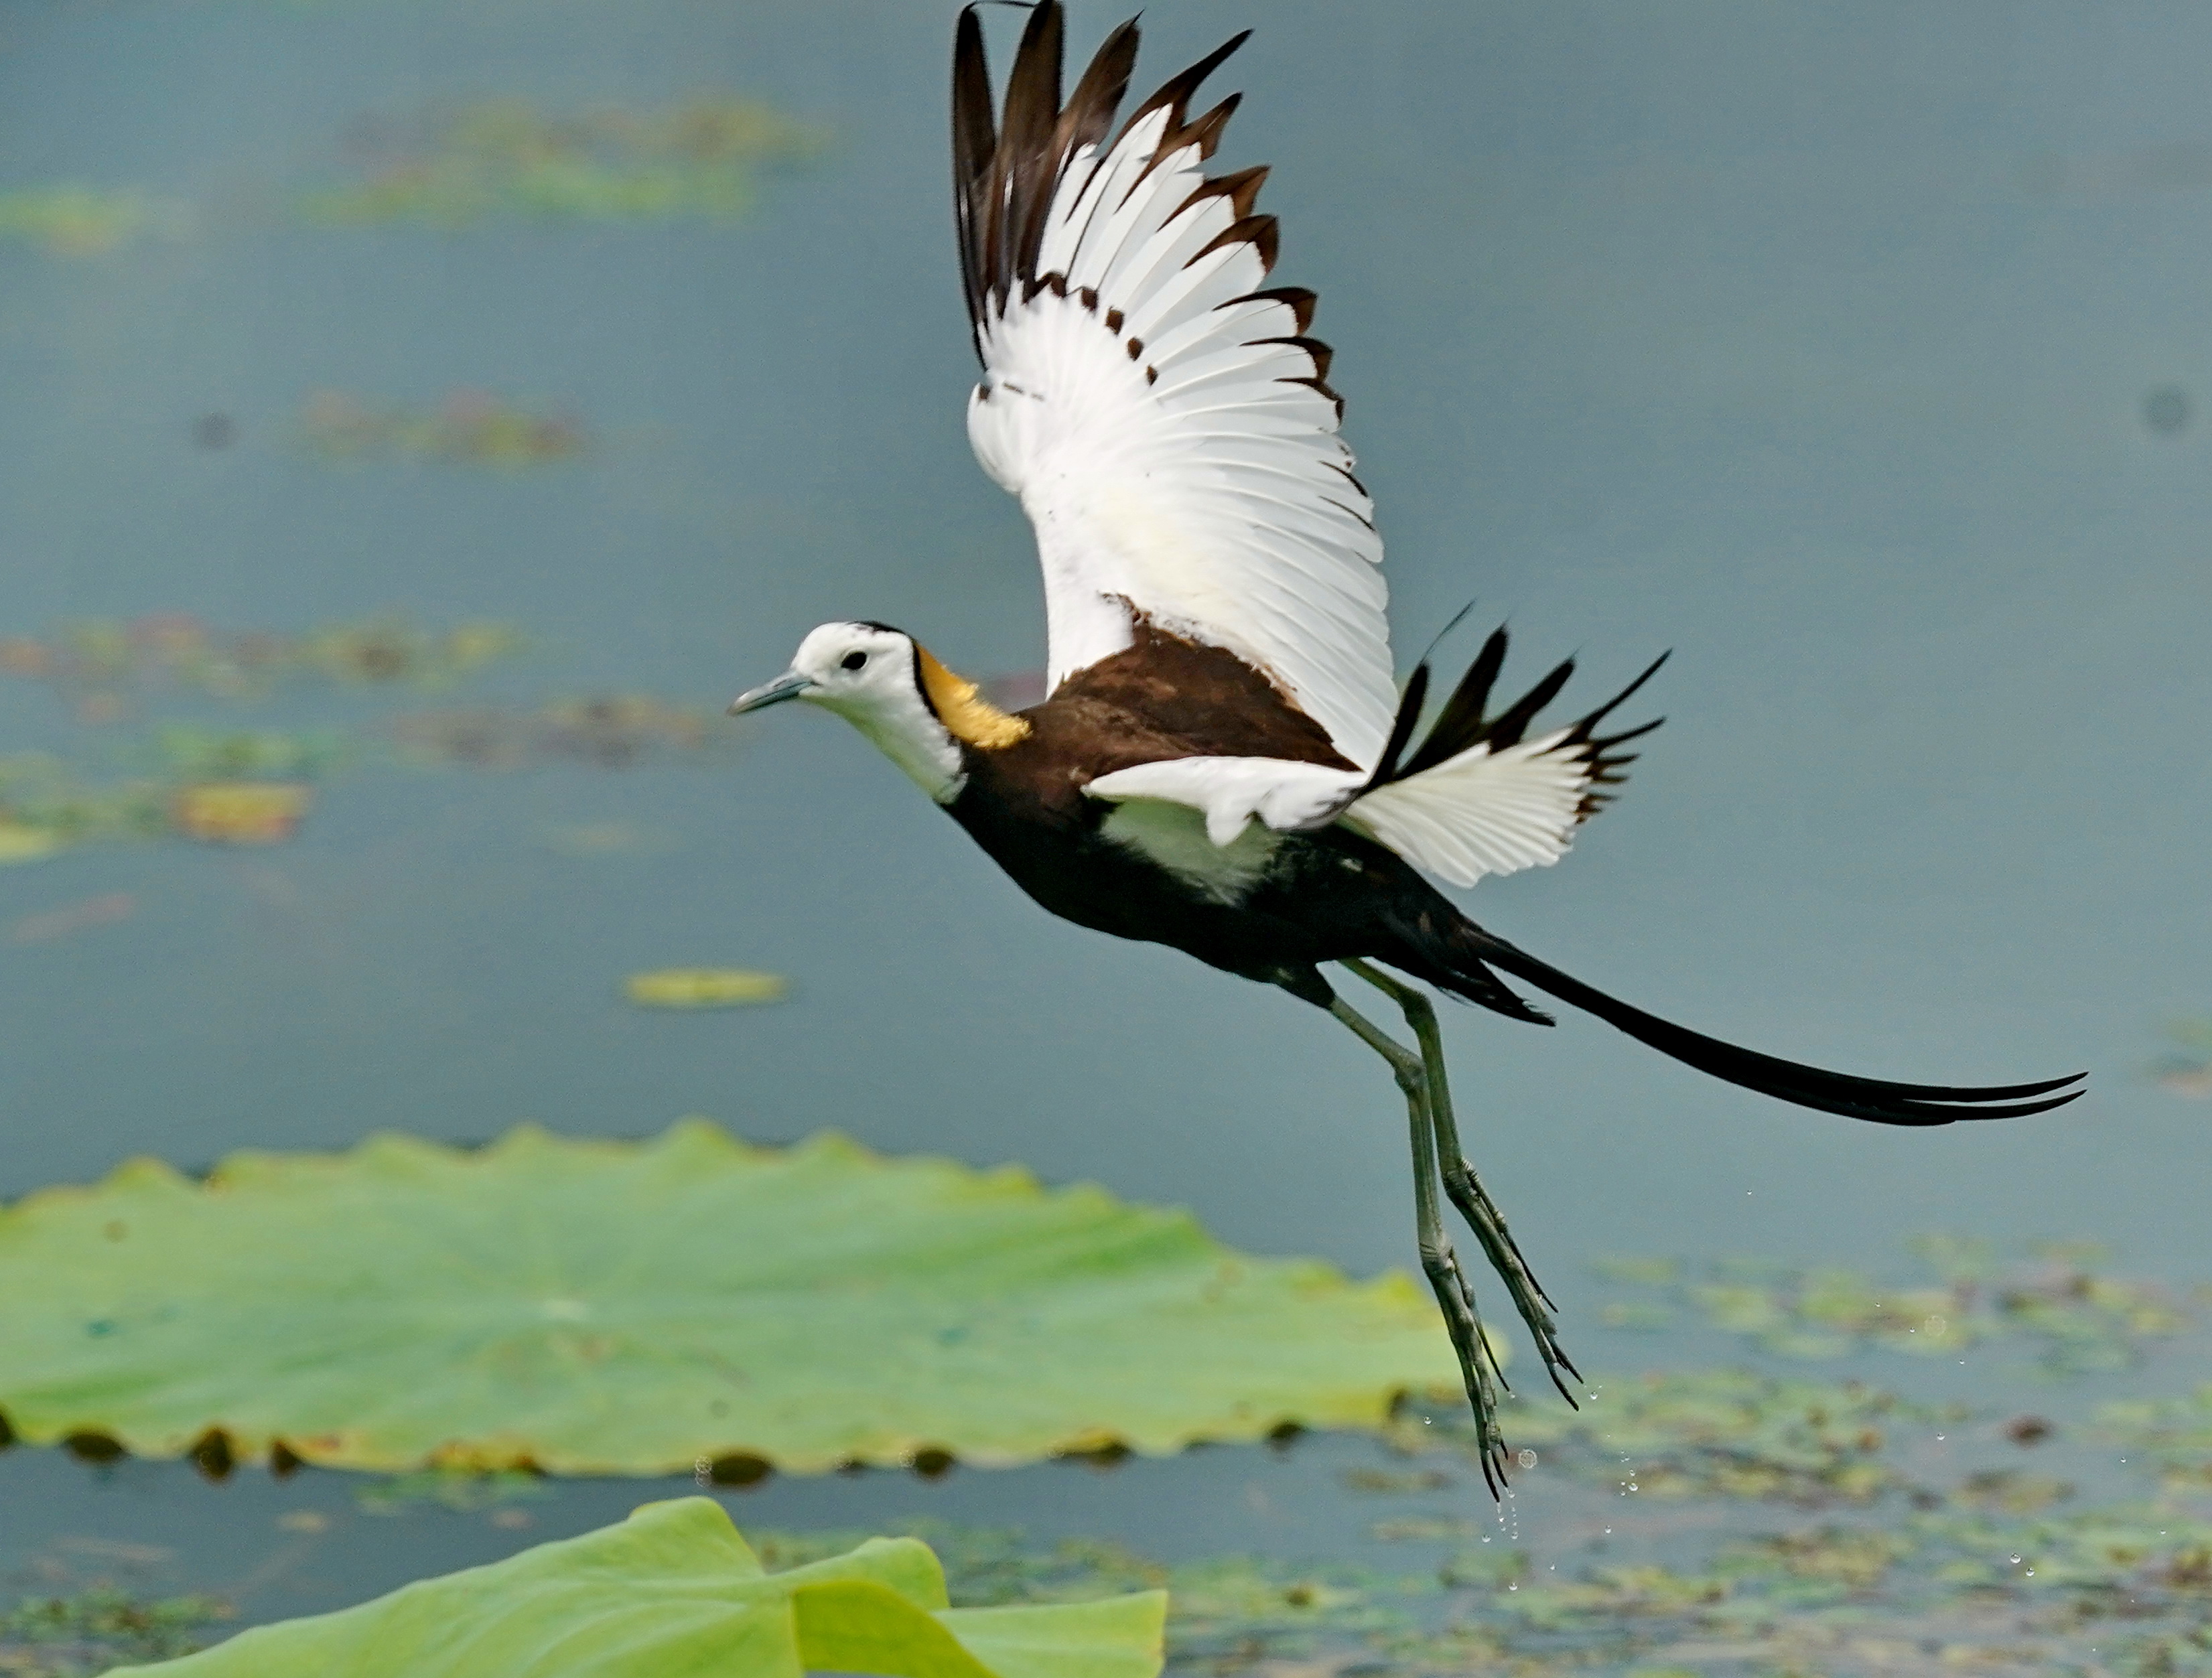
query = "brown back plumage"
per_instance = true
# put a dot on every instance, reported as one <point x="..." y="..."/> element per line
<point x="1204" y="701"/>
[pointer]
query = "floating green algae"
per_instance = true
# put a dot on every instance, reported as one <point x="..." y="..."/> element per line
<point x="505" y="159"/>
<point x="104" y="667"/>
<point x="688" y="1303"/>
<point x="1702" y="1433"/>
<point x="45" y="806"/>
<point x="458" y="1489"/>
<point x="2174" y="1434"/>
<point x="2189" y="1071"/>
<point x="197" y="781"/>
<point x="186" y="752"/>
<point x="92" y="1631"/>
<point x="76" y="221"/>
<point x="470" y="428"/>
<point x="674" y="1590"/>
<point x="2121" y="1589"/>
<point x="2057" y="1302"/>
<point x="612" y="731"/>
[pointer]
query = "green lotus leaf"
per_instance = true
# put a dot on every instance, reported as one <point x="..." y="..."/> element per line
<point x="690" y="1302"/>
<point x="673" y="1591"/>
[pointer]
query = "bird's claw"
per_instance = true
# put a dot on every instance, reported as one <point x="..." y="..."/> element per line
<point x="1466" y="1194"/>
<point x="1477" y="1362"/>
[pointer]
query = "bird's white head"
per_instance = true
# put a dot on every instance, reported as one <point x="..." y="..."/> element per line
<point x="887" y="684"/>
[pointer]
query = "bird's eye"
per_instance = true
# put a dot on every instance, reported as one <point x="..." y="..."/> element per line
<point x="854" y="660"/>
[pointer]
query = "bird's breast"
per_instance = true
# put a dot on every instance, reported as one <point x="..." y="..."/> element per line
<point x="1172" y="837"/>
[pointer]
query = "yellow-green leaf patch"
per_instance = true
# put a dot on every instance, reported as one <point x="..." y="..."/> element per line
<point x="593" y="1307"/>
<point x="674" y="1591"/>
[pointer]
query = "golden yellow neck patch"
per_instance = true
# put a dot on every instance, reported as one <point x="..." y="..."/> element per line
<point x="964" y="711"/>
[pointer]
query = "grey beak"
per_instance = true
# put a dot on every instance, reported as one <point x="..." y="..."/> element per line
<point x="789" y="685"/>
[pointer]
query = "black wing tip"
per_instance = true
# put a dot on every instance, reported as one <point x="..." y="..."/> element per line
<point x="1464" y="723"/>
<point x="1009" y="154"/>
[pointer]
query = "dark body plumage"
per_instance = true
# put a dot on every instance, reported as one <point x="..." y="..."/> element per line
<point x="1331" y="894"/>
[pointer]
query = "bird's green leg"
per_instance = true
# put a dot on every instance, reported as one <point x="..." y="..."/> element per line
<point x="1466" y="1188"/>
<point x="1478" y="1366"/>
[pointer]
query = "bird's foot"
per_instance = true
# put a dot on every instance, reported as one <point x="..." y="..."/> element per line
<point x="1477" y="1365"/>
<point x="1466" y="1193"/>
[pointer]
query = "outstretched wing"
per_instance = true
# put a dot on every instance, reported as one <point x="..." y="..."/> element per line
<point x="1478" y="797"/>
<point x="1161" y="414"/>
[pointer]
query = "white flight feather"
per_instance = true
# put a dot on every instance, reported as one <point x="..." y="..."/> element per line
<point x="1193" y="483"/>
<point x="1481" y="812"/>
<point x="1231" y="792"/>
<point x="1476" y="813"/>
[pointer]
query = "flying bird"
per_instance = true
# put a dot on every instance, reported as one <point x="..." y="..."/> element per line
<point x="1223" y="762"/>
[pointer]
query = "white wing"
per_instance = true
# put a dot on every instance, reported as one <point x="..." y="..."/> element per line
<point x="1481" y="812"/>
<point x="1163" y="418"/>
<point x="1233" y="792"/>
<point x="1476" y="799"/>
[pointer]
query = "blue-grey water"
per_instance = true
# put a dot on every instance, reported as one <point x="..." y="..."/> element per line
<point x="1835" y="347"/>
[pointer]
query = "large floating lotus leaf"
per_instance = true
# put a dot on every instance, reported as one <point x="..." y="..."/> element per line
<point x="632" y="1308"/>
<point x="673" y="1592"/>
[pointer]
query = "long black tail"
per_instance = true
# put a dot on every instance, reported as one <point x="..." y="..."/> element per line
<point x="1871" y="1098"/>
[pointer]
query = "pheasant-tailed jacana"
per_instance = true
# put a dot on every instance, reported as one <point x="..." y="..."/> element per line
<point x="1223" y="763"/>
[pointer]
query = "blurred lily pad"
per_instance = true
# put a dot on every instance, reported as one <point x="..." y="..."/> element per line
<point x="505" y="159"/>
<point x="76" y="221"/>
<point x="674" y="1589"/>
<point x="593" y="1307"/>
<point x="470" y="428"/>
<point x="704" y="987"/>
<point x="101" y="664"/>
<point x="242" y="812"/>
<point x="21" y="843"/>
<point x="606" y="731"/>
<point x="2189" y="1073"/>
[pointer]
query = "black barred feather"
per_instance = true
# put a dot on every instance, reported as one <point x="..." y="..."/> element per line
<point x="1005" y="174"/>
<point x="1462" y="724"/>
